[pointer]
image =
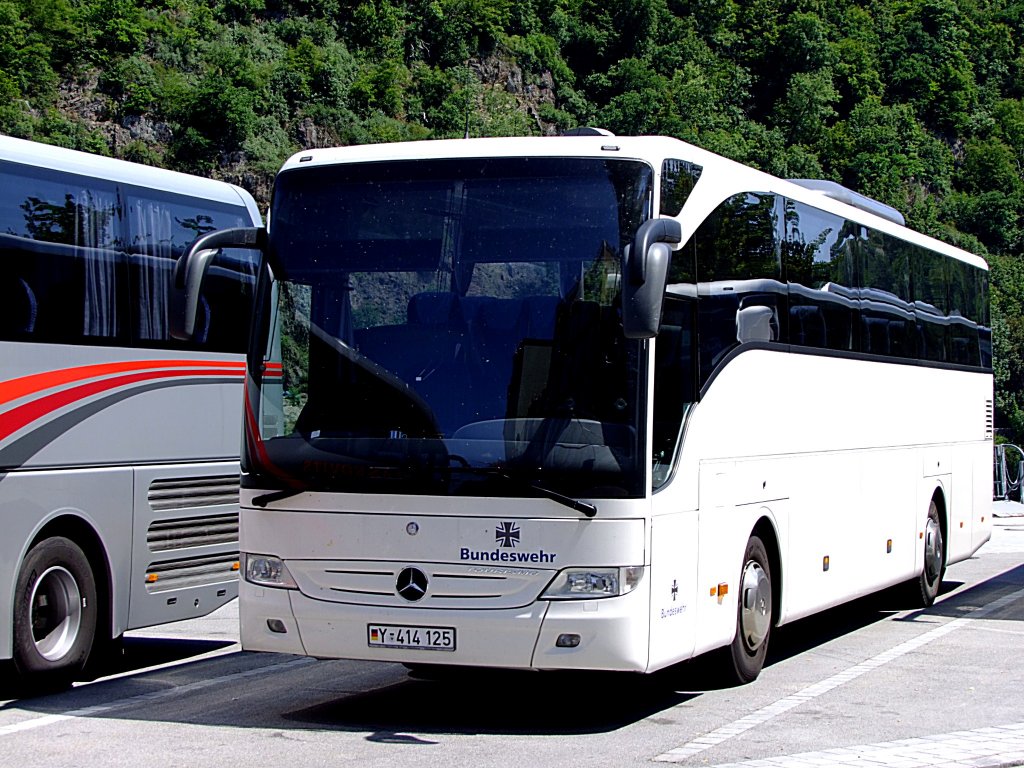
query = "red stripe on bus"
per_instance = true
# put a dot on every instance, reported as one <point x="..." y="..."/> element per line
<point x="16" y="418"/>
<point x="27" y="385"/>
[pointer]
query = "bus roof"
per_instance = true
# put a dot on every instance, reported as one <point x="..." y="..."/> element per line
<point x="124" y="172"/>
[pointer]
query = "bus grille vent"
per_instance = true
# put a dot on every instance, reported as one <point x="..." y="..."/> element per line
<point x="191" y="572"/>
<point x="189" y="492"/>
<point x="989" y="419"/>
<point x="181" y="533"/>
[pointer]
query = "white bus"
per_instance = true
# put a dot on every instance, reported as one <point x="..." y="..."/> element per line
<point x="118" y="443"/>
<point x="596" y="402"/>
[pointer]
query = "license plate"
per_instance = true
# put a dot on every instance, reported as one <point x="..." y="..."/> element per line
<point x="416" y="638"/>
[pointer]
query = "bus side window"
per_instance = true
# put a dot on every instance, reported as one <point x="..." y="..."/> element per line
<point x="674" y="376"/>
<point x="819" y="265"/>
<point x="228" y="291"/>
<point x="740" y="296"/>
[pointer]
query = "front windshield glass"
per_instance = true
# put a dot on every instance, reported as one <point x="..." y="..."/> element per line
<point x="450" y="327"/>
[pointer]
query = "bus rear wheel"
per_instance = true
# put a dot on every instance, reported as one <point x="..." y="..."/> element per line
<point x="753" y="614"/>
<point x="54" y="612"/>
<point x="925" y="588"/>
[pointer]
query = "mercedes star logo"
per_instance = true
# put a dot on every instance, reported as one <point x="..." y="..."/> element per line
<point x="412" y="584"/>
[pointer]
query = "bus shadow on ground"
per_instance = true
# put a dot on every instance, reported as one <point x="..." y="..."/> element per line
<point x="806" y="634"/>
<point x="814" y="631"/>
<point x="962" y="605"/>
<point x="570" y="703"/>
<point x="497" y="702"/>
<point x="134" y="654"/>
<point x="142" y="652"/>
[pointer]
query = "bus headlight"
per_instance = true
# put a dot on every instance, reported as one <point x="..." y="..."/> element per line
<point x="267" y="571"/>
<point x="584" y="583"/>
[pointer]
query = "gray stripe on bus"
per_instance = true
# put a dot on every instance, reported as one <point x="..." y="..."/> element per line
<point x="21" y="450"/>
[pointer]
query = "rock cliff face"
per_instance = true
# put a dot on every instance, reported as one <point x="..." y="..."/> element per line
<point x="502" y="73"/>
<point x="148" y="139"/>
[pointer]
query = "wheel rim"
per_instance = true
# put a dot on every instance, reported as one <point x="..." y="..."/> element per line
<point x="56" y="613"/>
<point x="756" y="605"/>
<point x="932" y="549"/>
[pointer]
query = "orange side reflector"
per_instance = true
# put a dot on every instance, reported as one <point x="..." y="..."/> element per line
<point x="151" y="578"/>
<point x="723" y="589"/>
<point x="235" y="566"/>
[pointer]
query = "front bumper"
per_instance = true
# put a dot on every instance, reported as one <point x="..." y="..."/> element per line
<point x="613" y="632"/>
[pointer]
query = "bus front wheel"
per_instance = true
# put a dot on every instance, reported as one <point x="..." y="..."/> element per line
<point x="54" y="612"/>
<point x="753" y="614"/>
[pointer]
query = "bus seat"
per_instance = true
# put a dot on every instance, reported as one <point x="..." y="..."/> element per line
<point x="435" y="308"/>
<point x="577" y="347"/>
<point x="496" y="333"/>
<point x="876" y="335"/>
<point x="807" y="326"/>
<point x="539" y="314"/>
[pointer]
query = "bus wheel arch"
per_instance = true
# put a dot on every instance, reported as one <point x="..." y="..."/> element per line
<point x="935" y="541"/>
<point x="62" y="609"/>
<point x="757" y="603"/>
<point x="765" y="530"/>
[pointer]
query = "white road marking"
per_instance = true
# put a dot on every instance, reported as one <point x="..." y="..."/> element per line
<point x="227" y="650"/>
<point x="763" y="715"/>
<point x="992" y="747"/>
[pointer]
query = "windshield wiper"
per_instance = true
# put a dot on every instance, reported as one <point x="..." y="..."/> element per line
<point x="266" y="498"/>
<point x="588" y="509"/>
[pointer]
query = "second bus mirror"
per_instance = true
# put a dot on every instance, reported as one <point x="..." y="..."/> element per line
<point x="191" y="268"/>
<point x="645" y="272"/>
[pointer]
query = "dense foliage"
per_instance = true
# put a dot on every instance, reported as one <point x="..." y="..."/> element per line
<point x="919" y="103"/>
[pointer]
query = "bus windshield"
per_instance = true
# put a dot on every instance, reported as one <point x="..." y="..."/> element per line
<point x="450" y="327"/>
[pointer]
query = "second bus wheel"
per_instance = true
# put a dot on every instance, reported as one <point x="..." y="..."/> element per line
<point x="753" y="614"/>
<point x="54" y="612"/>
<point x="925" y="588"/>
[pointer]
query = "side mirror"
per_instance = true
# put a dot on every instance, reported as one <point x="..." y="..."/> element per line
<point x="191" y="268"/>
<point x="645" y="271"/>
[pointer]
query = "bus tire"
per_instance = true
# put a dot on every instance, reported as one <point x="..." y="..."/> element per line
<point x="925" y="588"/>
<point x="55" y="613"/>
<point x="753" y="614"/>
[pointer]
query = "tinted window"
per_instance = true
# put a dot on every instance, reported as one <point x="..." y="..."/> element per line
<point x="464" y="312"/>
<point x="91" y="262"/>
<point x="675" y="383"/>
<point x="819" y="257"/>
<point x="739" y="293"/>
<point x="678" y="178"/>
<point x="887" y="322"/>
<point x="853" y="288"/>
